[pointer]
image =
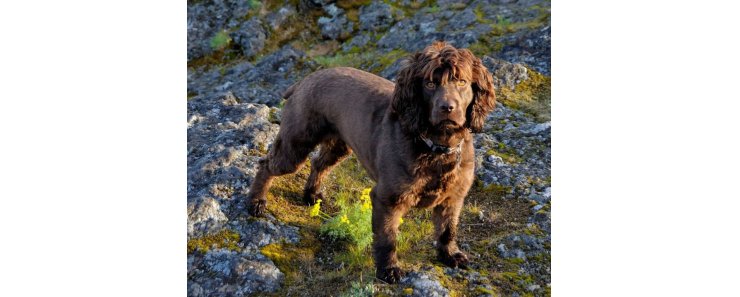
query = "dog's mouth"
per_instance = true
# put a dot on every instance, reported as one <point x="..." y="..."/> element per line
<point x="445" y="129"/>
<point x="446" y="124"/>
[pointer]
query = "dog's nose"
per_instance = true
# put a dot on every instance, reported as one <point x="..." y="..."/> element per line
<point x="447" y="107"/>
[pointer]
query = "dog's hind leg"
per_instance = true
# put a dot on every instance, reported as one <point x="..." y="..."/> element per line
<point x="288" y="154"/>
<point x="333" y="151"/>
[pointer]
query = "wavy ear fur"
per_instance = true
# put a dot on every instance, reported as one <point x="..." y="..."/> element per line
<point x="484" y="97"/>
<point x="408" y="103"/>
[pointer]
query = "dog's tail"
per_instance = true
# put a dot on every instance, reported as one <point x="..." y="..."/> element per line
<point x="290" y="90"/>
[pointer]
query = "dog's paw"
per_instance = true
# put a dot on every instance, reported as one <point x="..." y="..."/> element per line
<point x="456" y="260"/>
<point x="257" y="207"/>
<point x="311" y="198"/>
<point x="389" y="275"/>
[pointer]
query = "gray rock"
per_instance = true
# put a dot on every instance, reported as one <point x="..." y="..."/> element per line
<point x="228" y="273"/>
<point x="279" y="18"/>
<point x="313" y="4"/>
<point x="263" y="83"/>
<point x="423" y="28"/>
<point x="376" y="16"/>
<point x="447" y="3"/>
<point x="250" y="37"/>
<point x="521" y="246"/>
<point x="391" y="71"/>
<point x="424" y="285"/>
<point x="539" y="128"/>
<point x="225" y="138"/>
<point x="205" y="215"/>
<point x="508" y="132"/>
<point x="336" y="27"/>
<point x="263" y="232"/>
<point x="461" y="20"/>
<point x="333" y="10"/>
<point x="222" y="138"/>
<point x="358" y="41"/>
<point x="207" y="18"/>
<point x="531" y="47"/>
<point x="505" y="73"/>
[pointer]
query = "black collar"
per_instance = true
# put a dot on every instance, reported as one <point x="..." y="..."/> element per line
<point x="441" y="149"/>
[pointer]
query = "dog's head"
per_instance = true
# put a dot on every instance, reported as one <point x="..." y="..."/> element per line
<point x="440" y="87"/>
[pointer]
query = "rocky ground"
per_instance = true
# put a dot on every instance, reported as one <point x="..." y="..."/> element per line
<point x="243" y="54"/>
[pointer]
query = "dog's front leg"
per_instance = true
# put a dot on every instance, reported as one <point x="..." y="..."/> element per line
<point x="386" y="218"/>
<point x="446" y="216"/>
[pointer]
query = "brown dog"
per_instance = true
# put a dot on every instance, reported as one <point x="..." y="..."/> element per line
<point x="413" y="138"/>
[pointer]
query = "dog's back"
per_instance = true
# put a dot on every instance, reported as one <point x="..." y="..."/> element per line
<point x="345" y="101"/>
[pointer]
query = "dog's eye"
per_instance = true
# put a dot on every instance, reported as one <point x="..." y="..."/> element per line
<point x="430" y="85"/>
<point x="461" y="83"/>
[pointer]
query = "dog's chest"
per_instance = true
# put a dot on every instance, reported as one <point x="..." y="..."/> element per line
<point x="434" y="178"/>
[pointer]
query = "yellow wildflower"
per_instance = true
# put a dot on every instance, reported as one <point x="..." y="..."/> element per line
<point x="400" y="221"/>
<point x="315" y="209"/>
<point x="366" y="192"/>
<point x="344" y="219"/>
<point x="366" y="205"/>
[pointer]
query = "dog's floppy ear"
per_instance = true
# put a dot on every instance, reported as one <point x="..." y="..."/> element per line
<point x="484" y="97"/>
<point x="407" y="101"/>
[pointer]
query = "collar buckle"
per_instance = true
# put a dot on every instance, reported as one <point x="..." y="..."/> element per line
<point x="440" y="149"/>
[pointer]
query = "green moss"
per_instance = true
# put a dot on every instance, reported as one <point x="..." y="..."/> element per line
<point x="486" y="46"/>
<point x="458" y="6"/>
<point x="541" y="258"/>
<point x="294" y="260"/>
<point x="497" y="190"/>
<point x="254" y="4"/>
<point x="480" y="16"/>
<point x="220" y="41"/>
<point x="218" y="58"/>
<point x="412" y="7"/>
<point x="534" y="230"/>
<point x="352" y="4"/>
<point x="367" y="60"/>
<point x="483" y="290"/>
<point x="516" y="261"/>
<point x="299" y="30"/>
<point x="272" y="116"/>
<point x="531" y="96"/>
<point x="515" y="282"/>
<point x="353" y="16"/>
<point x="456" y="288"/>
<point x="352" y="8"/>
<point x="507" y="154"/>
<point x="225" y="238"/>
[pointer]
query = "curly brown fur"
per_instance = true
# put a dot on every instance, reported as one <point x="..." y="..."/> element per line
<point x="442" y="94"/>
